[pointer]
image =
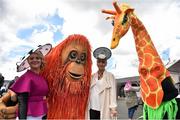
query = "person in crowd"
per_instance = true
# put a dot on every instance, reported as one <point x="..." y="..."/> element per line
<point x="2" y="88"/>
<point x="103" y="101"/>
<point x="11" y="82"/>
<point x="131" y="98"/>
<point x="1" y="80"/>
<point x="31" y="88"/>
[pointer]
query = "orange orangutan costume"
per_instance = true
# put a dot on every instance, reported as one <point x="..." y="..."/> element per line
<point x="68" y="72"/>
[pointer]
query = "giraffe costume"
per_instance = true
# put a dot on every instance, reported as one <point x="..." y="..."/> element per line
<point x="151" y="69"/>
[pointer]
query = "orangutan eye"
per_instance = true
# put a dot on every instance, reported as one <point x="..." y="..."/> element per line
<point x="83" y="57"/>
<point x="73" y="55"/>
<point x="125" y="19"/>
<point x="112" y="22"/>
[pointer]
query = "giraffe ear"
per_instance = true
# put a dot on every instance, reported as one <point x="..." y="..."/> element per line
<point x="129" y="10"/>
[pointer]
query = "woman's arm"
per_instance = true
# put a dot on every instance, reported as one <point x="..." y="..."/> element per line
<point x="136" y="89"/>
<point x="22" y="101"/>
<point x="113" y="99"/>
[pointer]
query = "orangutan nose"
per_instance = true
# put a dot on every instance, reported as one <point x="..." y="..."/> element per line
<point x="78" y="61"/>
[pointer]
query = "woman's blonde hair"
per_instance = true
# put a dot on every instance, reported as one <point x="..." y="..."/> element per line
<point x="39" y="53"/>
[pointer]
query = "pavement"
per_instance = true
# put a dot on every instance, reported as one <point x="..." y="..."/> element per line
<point x="123" y="110"/>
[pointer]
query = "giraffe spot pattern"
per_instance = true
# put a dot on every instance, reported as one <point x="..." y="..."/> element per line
<point x="144" y="86"/>
<point x="153" y="83"/>
<point x="148" y="60"/>
<point x="151" y="99"/>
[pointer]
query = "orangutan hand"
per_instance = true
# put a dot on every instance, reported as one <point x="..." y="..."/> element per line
<point x="7" y="112"/>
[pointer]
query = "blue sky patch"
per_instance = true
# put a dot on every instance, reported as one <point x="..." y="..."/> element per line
<point x="57" y="36"/>
<point x="40" y="28"/>
<point x="178" y="37"/>
<point x="111" y="64"/>
<point x="21" y="50"/>
<point x="165" y="54"/>
<point x="27" y="32"/>
<point x="24" y="33"/>
<point x="55" y="19"/>
<point x="52" y="20"/>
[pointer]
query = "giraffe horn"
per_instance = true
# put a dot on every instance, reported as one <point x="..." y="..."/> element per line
<point x="116" y="6"/>
<point x="111" y="12"/>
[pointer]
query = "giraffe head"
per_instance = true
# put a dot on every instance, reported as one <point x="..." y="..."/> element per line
<point x="120" y="21"/>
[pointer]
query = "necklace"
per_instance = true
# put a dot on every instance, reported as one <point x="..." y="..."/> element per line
<point x="100" y="75"/>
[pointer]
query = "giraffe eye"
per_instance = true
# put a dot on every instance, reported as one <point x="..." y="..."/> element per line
<point x="112" y="22"/>
<point x="125" y="19"/>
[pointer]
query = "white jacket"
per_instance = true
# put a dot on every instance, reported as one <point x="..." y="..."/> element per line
<point x="108" y="99"/>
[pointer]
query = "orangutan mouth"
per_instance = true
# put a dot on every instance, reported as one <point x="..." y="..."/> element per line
<point x="75" y="76"/>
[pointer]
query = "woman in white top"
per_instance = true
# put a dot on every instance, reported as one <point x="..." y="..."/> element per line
<point x="103" y="102"/>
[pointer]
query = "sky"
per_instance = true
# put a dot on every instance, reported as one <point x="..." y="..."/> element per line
<point x="25" y="24"/>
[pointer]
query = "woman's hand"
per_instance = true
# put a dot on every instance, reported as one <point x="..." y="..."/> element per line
<point x="113" y="113"/>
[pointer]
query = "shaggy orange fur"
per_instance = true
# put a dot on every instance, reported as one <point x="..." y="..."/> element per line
<point x="67" y="98"/>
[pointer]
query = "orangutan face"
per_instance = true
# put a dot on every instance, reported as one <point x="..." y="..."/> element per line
<point x="75" y="56"/>
<point x="68" y="72"/>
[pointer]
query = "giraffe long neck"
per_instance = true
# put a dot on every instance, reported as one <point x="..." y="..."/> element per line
<point x="142" y="38"/>
<point x="151" y="69"/>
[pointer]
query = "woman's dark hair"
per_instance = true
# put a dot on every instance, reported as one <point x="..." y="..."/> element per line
<point x="1" y="80"/>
